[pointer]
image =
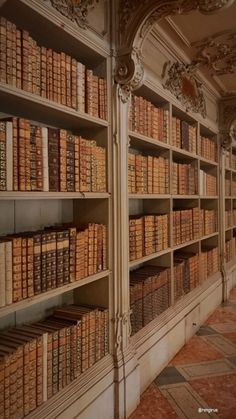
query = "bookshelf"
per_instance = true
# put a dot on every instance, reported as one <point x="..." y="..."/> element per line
<point x="193" y="209"/>
<point x="28" y="211"/>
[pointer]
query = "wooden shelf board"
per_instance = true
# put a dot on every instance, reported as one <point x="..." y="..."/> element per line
<point x="20" y="103"/>
<point x="61" y="401"/>
<point x="50" y="294"/>
<point x="208" y="197"/>
<point x="179" y="246"/>
<point x="149" y="196"/>
<point x="208" y="162"/>
<point x="52" y="195"/>
<point x="136" y="137"/>
<point x="229" y="228"/>
<point x="185" y="196"/>
<point x="209" y="236"/>
<point x="136" y="262"/>
<point x="177" y="150"/>
<point x="233" y="170"/>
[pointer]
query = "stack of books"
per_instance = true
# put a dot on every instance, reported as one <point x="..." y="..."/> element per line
<point x="149" y="294"/>
<point x="209" y="261"/>
<point x="208" y="184"/>
<point x="208" y="221"/>
<point x="186" y="225"/>
<point x="186" y="273"/>
<point x="184" y="135"/>
<point x="35" y="262"/>
<point x="147" y="119"/>
<point x="35" y="158"/>
<point x="148" y="174"/>
<point x="147" y="235"/>
<point x="208" y="148"/>
<point x="184" y="179"/>
<point x="38" y="360"/>
<point x="50" y="74"/>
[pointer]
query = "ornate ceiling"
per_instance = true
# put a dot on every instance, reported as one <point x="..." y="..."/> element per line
<point x="209" y="43"/>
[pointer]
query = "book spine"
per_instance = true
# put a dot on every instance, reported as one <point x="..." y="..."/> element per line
<point x="80" y="87"/>
<point x="44" y="237"/>
<point x="62" y="154"/>
<point x="53" y="159"/>
<point x="17" y="269"/>
<point x="49" y="247"/>
<point x="15" y="154"/>
<point x="68" y="81"/>
<point x="25" y="60"/>
<point x="39" y="159"/>
<point x="9" y="274"/>
<point x="30" y="266"/>
<point x="43" y="72"/>
<point x="37" y="263"/>
<point x="77" y="164"/>
<point x="73" y="83"/>
<point x="89" y="92"/>
<point x="3" y="155"/>
<point x="3" y="50"/>
<point x="60" y="244"/>
<point x="66" y="257"/>
<point x="72" y="253"/>
<point x="9" y="156"/>
<point x="24" y="267"/>
<point x="45" y="168"/>
<point x="2" y="274"/>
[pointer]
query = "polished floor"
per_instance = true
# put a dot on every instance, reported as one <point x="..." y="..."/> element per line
<point x="200" y="381"/>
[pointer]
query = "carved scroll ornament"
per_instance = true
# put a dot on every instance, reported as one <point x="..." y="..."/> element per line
<point x="217" y="53"/>
<point x="75" y="10"/>
<point x="181" y="80"/>
<point x="136" y="19"/>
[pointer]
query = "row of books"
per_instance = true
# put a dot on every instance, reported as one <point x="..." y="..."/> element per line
<point x="209" y="262"/>
<point x="227" y="187"/>
<point x="230" y="249"/>
<point x="148" y="119"/>
<point x="207" y="184"/>
<point x="148" y="174"/>
<point x="149" y="295"/>
<point x="228" y="221"/>
<point x="233" y="187"/>
<point x="147" y="235"/>
<point x="184" y="179"/>
<point x="35" y="158"/>
<point x="186" y="273"/>
<point x="39" y="359"/>
<point x="186" y="225"/>
<point x="208" y="148"/>
<point x="233" y="161"/>
<point x="35" y="262"/>
<point x="50" y="74"/>
<point x="208" y="219"/>
<point x="184" y="135"/>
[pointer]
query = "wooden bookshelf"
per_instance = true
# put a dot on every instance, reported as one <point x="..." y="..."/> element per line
<point x="31" y="211"/>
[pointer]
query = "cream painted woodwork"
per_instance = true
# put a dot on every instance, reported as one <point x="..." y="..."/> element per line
<point x="110" y="44"/>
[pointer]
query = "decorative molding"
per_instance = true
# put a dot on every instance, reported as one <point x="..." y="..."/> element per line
<point x="217" y="53"/>
<point x="136" y="19"/>
<point x="228" y="121"/>
<point x="75" y="10"/>
<point x="181" y="80"/>
<point x="129" y="73"/>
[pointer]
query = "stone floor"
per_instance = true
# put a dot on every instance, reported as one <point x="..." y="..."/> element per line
<point x="201" y="376"/>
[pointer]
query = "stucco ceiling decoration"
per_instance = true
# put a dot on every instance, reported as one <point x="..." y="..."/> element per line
<point x="217" y="53"/>
<point x="181" y="80"/>
<point x="75" y="10"/>
<point x="136" y="19"/>
<point x="228" y="120"/>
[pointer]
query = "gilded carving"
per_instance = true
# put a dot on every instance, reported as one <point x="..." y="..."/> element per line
<point x="75" y="10"/>
<point x="181" y="80"/>
<point x="136" y="19"/>
<point x="217" y="53"/>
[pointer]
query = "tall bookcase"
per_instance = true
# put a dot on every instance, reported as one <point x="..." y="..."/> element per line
<point x="141" y="204"/>
<point x="31" y="211"/>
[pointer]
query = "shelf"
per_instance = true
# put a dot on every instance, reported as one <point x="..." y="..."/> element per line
<point x="209" y="236"/>
<point x="50" y="294"/>
<point x="21" y="103"/>
<point x="147" y="142"/>
<point x="102" y="371"/>
<point x="229" y="228"/>
<point x="136" y="262"/>
<point x="180" y="151"/>
<point x="208" y="162"/>
<point x="208" y="197"/>
<point x="52" y="195"/>
<point x="185" y="244"/>
<point x="185" y="196"/>
<point x="149" y="196"/>
<point x="231" y="263"/>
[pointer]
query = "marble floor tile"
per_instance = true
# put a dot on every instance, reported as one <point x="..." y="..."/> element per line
<point x="170" y="375"/>
<point x="221" y="316"/>
<point x="224" y="327"/>
<point x="153" y="405"/>
<point x="196" y="350"/>
<point x="230" y="336"/>
<point x="221" y="344"/>
<point x="207" y="369"/>
<point x="206" y="330"/>
<point x="218" y="392"/>
<point x="185" y="401"/>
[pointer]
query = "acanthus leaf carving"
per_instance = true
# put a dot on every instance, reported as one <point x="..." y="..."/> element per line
<point x="181" y="80"/>
<point x="75" y="10"/>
